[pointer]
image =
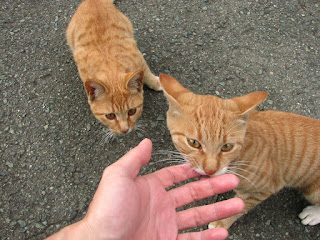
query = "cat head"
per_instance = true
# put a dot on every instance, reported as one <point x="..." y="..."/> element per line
<point x="117" y="104"/>
<point x="208" y="130"/>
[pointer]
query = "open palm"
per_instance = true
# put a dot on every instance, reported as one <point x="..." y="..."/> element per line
<point x="129" y="207"/>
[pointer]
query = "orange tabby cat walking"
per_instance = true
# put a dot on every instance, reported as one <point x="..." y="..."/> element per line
<point x="268" y="150"/>
<point x="109" y="63"/>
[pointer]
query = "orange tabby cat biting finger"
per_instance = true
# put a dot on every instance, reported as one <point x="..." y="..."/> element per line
<point x="268" y="150"/>
<point x="110" y="65"/>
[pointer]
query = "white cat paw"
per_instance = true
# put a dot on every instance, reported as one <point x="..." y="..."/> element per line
<point x="310" y="215"/>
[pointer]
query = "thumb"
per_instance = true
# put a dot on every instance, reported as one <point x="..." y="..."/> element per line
<point x="130" y="164"/>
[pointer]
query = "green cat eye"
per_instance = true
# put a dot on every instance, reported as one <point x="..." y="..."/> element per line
<point x="110" y="116"/>
<point x="226" y="147"/>
<point x="194" y="143"/>
<point x="132" y="111"/>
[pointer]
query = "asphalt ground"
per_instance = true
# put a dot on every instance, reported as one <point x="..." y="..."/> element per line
<point x="52" y="148"/>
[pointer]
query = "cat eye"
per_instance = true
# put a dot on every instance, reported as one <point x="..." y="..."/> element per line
<point x="110" y="116"/>
<point x="194" y="143"/>
<point x="132" y="111"/>
<point x="226" y="147"/>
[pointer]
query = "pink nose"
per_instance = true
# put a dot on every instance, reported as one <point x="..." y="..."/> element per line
<point x="124" y="130"/>
<point x="210" y="172"/>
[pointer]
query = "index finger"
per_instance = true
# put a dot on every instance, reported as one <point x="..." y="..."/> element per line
<point x="204" y="188"/>
<point x="171" y="175"/>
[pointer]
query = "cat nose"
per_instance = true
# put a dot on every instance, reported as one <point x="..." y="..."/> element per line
<point x="210" y="172"/>
<point x="125" y="130"/>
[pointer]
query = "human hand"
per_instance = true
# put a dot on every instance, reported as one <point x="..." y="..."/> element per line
<point x="129" y="207"/>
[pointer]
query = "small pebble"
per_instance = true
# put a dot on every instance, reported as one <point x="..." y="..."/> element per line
<point x="39" y="226"/>
<point x="9" y="164"/>
<point x="160" y="118"/>
<point x="22" y="223"/>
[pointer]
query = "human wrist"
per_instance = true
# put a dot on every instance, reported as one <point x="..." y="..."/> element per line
<point x="78" y="231"/>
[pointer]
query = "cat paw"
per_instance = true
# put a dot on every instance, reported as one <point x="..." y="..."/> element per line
<point x="152" y="82"/>
<point x="310" y="215"/>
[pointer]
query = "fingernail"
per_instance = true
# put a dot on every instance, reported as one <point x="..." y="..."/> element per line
<point x="142" y="141"/>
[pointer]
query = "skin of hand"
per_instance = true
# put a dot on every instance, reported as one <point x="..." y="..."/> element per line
<point x="131" y="207"/>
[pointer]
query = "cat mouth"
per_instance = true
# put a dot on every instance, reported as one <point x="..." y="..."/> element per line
<point x="217" y="173"/>
<point x="221" y="172"/>
<point x="200" y="171"/>
<point x="122" y="132"/>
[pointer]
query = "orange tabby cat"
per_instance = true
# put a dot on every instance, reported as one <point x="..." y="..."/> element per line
<point x="109" y="63"/>
<point x="268" y="150"/>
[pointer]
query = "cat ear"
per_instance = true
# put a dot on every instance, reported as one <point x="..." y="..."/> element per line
<point x="94" y="89"/>
<point x="171" y="86"/>
<point x="248" y="102"/>
<point x="172" y="89"/>
<point x="134" y="81"/>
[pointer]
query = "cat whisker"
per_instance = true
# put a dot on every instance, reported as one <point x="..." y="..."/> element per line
<point x="101" y="137"/>
<point x="168" y="152"/>
<point x="140" y="129"/>
<point x="107" y="137"/>
<point x="244" y="170"/>
<point x="141" y="124"/>
<point x="241" y="176"/>
<point x="173" y="156"/>
<point x="143" y="170"/>
<point x="100" y="134"/>
<point x="174" y="159"/>
<point x="242" y="163"/>
<point x="171" y="160"/>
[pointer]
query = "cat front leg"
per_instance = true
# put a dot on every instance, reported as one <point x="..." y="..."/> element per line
<point x="250" y="200"/>
<point x="151" y="80"/>
<point x="311" y="214"/>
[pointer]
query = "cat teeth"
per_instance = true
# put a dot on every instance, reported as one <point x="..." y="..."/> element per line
<point x="211" y="226"/>
<point x="200" y="171"/>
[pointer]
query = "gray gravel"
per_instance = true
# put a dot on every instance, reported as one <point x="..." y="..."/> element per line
<point x="52" y="148"/>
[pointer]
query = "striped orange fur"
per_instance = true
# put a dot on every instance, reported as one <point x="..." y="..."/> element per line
<point x="109" y="63"/>
<point x="268" y="150"/>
